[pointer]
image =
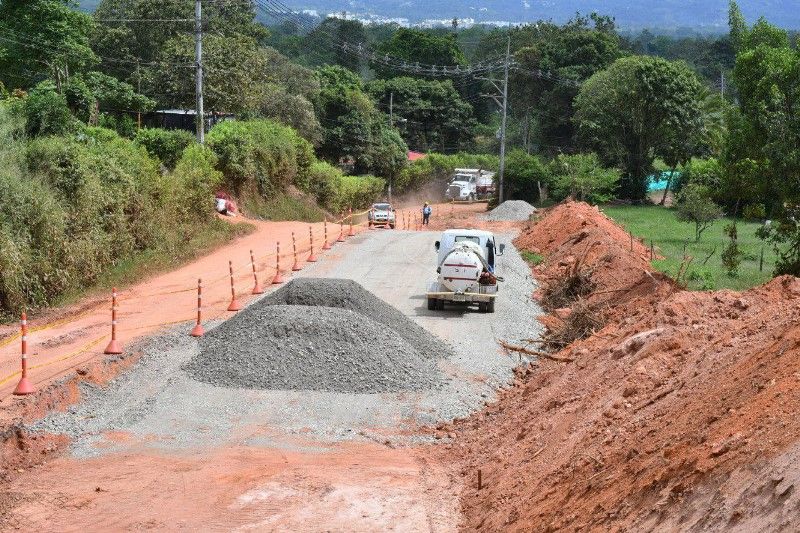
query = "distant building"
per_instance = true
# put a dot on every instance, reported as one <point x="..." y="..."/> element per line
<point x="414" y="156"/>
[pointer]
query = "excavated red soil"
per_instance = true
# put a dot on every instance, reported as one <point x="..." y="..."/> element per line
<point x="680" y="414"/>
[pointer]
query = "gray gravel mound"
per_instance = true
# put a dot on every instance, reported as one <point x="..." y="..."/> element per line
<point x="347" y="294"/>
<point x="511" y="210"/>
<point x="297" y="347"/>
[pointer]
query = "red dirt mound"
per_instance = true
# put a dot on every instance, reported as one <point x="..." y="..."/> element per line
<point x="577" y="236"/>
<point x="678" y="414"/>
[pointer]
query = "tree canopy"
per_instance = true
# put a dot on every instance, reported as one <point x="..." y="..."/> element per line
<point x="430" y="114"/>
<point x="632" y="113"/>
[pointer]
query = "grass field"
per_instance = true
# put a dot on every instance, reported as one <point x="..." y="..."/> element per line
<point x="669" y="237"/>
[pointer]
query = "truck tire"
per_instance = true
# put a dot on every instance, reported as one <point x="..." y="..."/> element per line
<point x="490" y="306"/>
<point x="431" y="304"/>
<point x="391" y="226"/>
<point x="440" y="304"/>
<point x="482" y="307"/>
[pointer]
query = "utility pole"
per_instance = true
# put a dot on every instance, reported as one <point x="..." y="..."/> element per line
<point x="500" y="194"/>
<point x="722" y="85"/>
<point x="198" y="57"/>
<point x="501" y="99"/>
<point x="139" y="90"/>
<point x="391" y="108"/>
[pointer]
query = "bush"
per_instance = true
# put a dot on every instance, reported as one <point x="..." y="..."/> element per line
<point x="260" y="156"/>
<point x="731" y="255"/>
<point x="784" y="236"/>
<point x="754" y="212"/>
<point x="582" y="177"/>
<point x="75" y="207"/>
<point x="695" y="205"/>
<point x="356" y="192"/>
<point x="195" y="180"/>
<point x="525" y="177"/>
<point x="165" y="145"/>
<point x="46" y="112"/>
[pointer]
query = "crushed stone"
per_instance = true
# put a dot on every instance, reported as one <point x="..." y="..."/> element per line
<point x="348" y="294"/>
<point x="312" y="346"/>
<point x="511" y="210"/>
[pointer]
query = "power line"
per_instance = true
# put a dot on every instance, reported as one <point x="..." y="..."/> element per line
<point x="279" y="10"/>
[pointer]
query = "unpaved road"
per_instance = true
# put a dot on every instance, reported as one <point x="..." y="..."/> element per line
<point x="158" y="450"/>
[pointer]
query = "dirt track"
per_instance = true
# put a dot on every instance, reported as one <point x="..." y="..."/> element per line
<point x="271" y="460"/>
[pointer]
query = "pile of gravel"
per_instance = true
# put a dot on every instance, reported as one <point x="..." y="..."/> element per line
<point x="347" y="294"/>
<point x="292" y="341"/>
<point x="511" y="210"/>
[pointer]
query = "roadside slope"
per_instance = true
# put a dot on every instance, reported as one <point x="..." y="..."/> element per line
<point x="678" y="413"/>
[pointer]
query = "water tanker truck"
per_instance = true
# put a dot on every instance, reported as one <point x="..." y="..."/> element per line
<point x="466" y="270"/>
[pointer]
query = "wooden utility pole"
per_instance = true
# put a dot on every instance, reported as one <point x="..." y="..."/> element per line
<point x="198" y="57"/>
<point x="500" y="193"/>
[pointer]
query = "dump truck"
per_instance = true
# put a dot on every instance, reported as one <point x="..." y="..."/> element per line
<point x="466" y="270"/>
<point x="470" y="184"/>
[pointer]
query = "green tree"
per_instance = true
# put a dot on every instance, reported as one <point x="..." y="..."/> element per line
<point x="43" y="38"/>
<point x="353" y="127"/>
<point x="738" y="26"/>
<point x="582" y="177"/>
<point x="572" y="53"/>
<point x="430" y="114"/>
<point x="785" y="239"/>
<point x="334" y="41"/>
<point x="526" y="177"/>
<point x="417" y="46"/>
<point x="696" y="206"/>
<point x="767" y="129"/>
<point x="126" y="36"/>
<point x="632" y="111"/>
<point x="46" y="112"/>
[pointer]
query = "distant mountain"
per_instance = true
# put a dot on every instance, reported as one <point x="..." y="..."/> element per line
<point x="700" y="14"/>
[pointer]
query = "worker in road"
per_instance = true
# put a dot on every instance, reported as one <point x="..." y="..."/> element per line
<point x="426" y="213"/>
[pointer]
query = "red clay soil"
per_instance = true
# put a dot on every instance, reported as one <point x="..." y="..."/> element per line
<point x="680" y="414"/>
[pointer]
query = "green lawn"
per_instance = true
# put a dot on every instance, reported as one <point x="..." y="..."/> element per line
<point x="669" y="236"/>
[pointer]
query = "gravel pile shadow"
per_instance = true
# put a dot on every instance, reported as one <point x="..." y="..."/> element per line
<point x="292" y="340"/>
<point x="347" y="294"/>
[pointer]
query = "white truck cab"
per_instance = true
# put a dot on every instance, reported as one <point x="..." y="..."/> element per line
<point x="466" y="262"/>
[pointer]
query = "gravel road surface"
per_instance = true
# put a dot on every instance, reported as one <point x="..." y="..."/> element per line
<point x="162" y="404"/>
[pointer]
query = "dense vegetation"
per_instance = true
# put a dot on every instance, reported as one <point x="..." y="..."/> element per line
<point x="325" y="115"/>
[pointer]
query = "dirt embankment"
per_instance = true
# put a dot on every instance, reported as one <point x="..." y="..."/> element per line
<point x="679" y="413"/>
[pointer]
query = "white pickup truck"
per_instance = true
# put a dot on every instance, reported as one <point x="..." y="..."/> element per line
<point x="465" y="268"/>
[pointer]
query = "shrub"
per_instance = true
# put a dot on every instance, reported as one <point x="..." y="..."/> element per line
<point x="194" y="183"/>
<point x="754" y="212"/>
<point x="731" y="255"/>
<point x="695" y="205"/>
<point x="76" y="206"/>
<point x="784" y="236"/>
<point x="165" y="145"/>
<point x="259" y="155"/>
<point x="357" y="192"/>
<point x="525" y="176"/>
<point x="582" y="177"/>
<point x="46" y="112"/>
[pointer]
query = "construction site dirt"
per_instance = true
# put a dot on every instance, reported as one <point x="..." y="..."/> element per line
<point x="152" y="447"/>
<point x="672" y="410"/>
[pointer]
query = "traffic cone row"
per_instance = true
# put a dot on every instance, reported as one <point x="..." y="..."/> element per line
<point x="114" y="347"/>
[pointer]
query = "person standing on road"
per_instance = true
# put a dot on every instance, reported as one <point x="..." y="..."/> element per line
<point x="426" y="213"/>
